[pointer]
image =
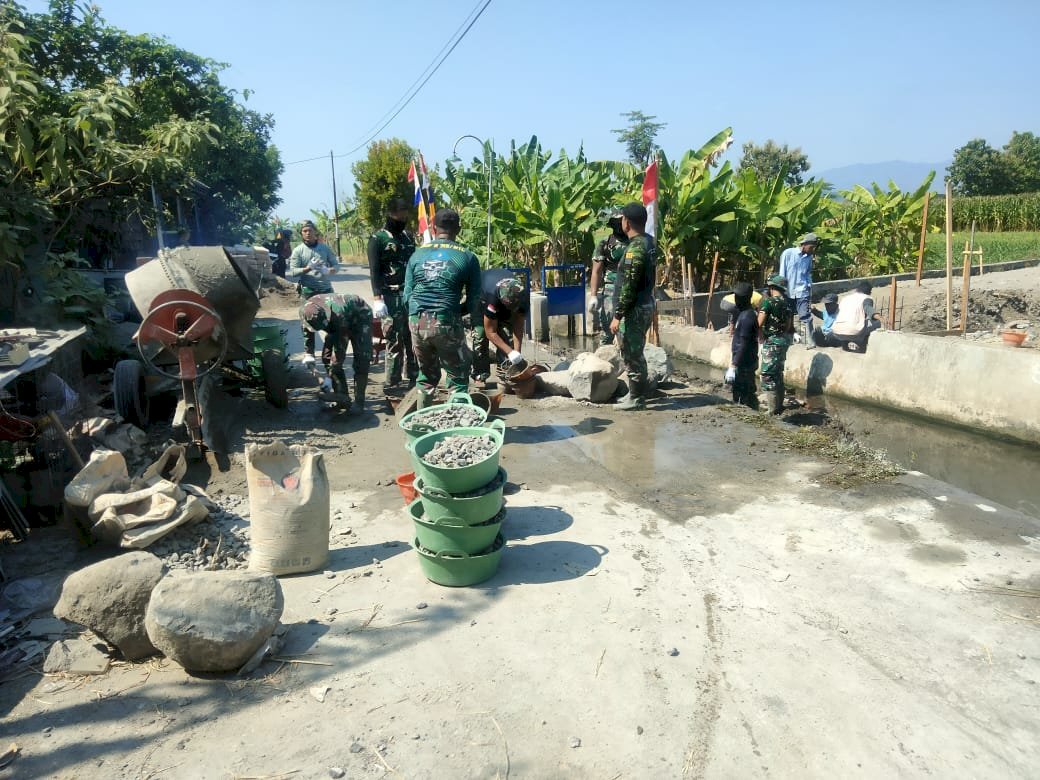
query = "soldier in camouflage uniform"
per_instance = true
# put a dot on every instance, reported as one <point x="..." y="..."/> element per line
<point x="389" y="250"/>
<point x="634" y="303"/>
<point x="776" y="322"/>
<point x="438" y="275"/>
<point x="604" y="276"/>
<point x="342" y="318"/>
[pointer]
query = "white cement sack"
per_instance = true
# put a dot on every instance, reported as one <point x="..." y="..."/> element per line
<point x="105" y="471"/>
<point x="288" y="508"/>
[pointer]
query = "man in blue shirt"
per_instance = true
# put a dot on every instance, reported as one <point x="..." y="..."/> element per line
<point x="796" y="266"/>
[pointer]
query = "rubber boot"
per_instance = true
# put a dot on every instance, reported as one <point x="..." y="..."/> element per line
<point x="360" y="385"/>
<point x="776" y="400"/>
<point x="810" y="340"/>
<point x="425" y="399"/>
<point x="340" y="393"/>
<point x="634" y="400"/>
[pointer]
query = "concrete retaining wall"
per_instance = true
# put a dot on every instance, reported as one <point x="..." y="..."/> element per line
<point x="988" y="386"/>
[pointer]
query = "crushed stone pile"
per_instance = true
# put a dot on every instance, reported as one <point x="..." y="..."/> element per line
<point x="455" y="416"/>
<point x="221" y="542"/>
<point x="457" y="451"/>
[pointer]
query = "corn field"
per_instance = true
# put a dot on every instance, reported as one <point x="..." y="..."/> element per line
<point x="992" y="213"/>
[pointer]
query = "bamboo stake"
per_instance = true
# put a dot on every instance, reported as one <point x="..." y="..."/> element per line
<point x="711" y="291"/>
<point x="892" y="304"/>
<point x="964" y="290"/>
<point x="981" y="266"/>
<point x="924" y="229"/>
<point x="949" y="255"/>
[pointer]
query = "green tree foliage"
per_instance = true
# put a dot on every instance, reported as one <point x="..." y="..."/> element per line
<point x="979" y="169"/>
<point x="771" y="160"/>
<point x="1022" y="154"/>
<point x="639" y="136"/>
<point x="233" y="181"/>
<point x="381" y="177"/>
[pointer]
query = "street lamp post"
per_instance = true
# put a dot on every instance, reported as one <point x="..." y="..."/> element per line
<point x="489" y="168"/>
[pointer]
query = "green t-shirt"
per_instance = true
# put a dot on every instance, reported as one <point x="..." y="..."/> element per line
<point x="437" y="276"/>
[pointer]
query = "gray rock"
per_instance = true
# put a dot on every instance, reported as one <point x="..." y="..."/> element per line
<point x="74" y="656"/>
<point x="213" y="621"/>
<point x="658" y="365"/>
<point x="612" y="355"/>
<point x="592" y="378"/>
<point x="111" y="597"/>
<point x="554" y="382"/>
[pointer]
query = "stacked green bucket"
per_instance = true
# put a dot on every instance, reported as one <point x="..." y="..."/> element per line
<point x="459" y="512"/>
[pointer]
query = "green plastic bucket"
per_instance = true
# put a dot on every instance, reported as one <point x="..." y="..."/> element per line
<point x="451" y="533"/>
<point x="476" y="506"/>
<point x="456" y="569"/>
<point x="462" y="479"/>
<point x="268" y="330"/>
<point x="414" y="430"/>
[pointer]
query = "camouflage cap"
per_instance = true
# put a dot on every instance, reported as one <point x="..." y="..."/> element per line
<point x="777" y="281"/>
<point x="314" y="314"/>
<point x="510" y="291"/>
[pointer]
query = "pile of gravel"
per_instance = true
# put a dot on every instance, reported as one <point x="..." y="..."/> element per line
<point x="454" y="416"/>
<point x="458" y="451"/>
<point x="220" y="542"/>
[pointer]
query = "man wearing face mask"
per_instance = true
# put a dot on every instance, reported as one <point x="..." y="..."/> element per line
<point x="310" y="262"/>
<point x="389" y="250"/>
<point x="605" y="263"/>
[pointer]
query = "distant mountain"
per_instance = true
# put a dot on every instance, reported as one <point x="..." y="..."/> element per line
<point x="907" y="175"/>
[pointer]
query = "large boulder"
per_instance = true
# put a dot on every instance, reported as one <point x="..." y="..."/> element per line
<point x="554" y="382"/>
<point x="612" y="355"/>
<point x="111" y="598"/>
<point x="658" y="365"/>
<point x="213" y="621"/>
<point x="592" y="378"/>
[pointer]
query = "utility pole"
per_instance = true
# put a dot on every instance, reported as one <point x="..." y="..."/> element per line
<point x="335" y="203"/>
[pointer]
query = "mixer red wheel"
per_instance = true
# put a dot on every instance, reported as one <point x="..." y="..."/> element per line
<point x="181" y="322"/>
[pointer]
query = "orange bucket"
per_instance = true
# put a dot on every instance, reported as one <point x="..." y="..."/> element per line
<point x="405" y="483"/>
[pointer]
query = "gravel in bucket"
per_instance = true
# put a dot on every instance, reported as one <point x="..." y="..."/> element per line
<point x="460" y="451"/>
<point x="454" y="416"/>
<point x="490" y="487"/>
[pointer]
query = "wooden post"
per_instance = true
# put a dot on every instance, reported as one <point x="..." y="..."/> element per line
<point x="711" y="291"/>
<point x="982" y="268"/>
<point x="964" y="289"/>
<point x="924" y="229"/>
<point x="949" y="255"/>
<point x="892" y="304"/>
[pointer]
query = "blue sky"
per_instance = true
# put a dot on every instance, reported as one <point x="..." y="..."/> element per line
<point x="847" y="82"/>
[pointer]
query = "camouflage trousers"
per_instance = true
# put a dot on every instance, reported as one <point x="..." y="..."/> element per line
<point x="439" y="341"/>
<point x="334" y="351"/>
<point x="606" y="313"/>
<point x="774" y="355"/>
<point x="633" y="340"/>
<point x="482" y="349"/>
<point x="744" y="390"/>
<point x="399" y="356"/>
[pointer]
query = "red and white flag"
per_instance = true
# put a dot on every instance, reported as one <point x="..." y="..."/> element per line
<point x="428" y="192"/>
<point x="650" y="198"/>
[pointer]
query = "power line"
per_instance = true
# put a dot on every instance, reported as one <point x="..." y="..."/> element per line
<point x="426" y="70"/>
<point x="414" y="90"/>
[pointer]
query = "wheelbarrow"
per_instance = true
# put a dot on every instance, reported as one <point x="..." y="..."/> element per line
<point x="197" y="305"/>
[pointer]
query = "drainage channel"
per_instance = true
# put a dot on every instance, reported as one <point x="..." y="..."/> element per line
<point x="1003" y="471"/>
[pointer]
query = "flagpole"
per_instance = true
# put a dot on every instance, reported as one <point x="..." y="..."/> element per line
<point x="335" y="204"/>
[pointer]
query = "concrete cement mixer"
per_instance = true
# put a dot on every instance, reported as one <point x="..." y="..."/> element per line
<point x="197" y="306"/>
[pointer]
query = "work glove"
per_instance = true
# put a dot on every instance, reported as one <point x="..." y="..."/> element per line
<point x="308" y="362"/>
<point x="731" y="375"/>
<point x="514" y="358"/>
<point x="379" y="309"/>
<point x="593" y="304"/>
<point x="326" y="385"/>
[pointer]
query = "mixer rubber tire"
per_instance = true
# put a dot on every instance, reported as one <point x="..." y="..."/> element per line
<point x="276" y="378"/>
<point x="129" y="392"/>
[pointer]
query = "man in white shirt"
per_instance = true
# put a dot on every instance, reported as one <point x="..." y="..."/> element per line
<point x="856" y="318"/>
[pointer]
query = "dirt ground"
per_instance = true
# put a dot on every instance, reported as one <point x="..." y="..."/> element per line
<point x="995" y="301"/>
<point x="685" y="593"/>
